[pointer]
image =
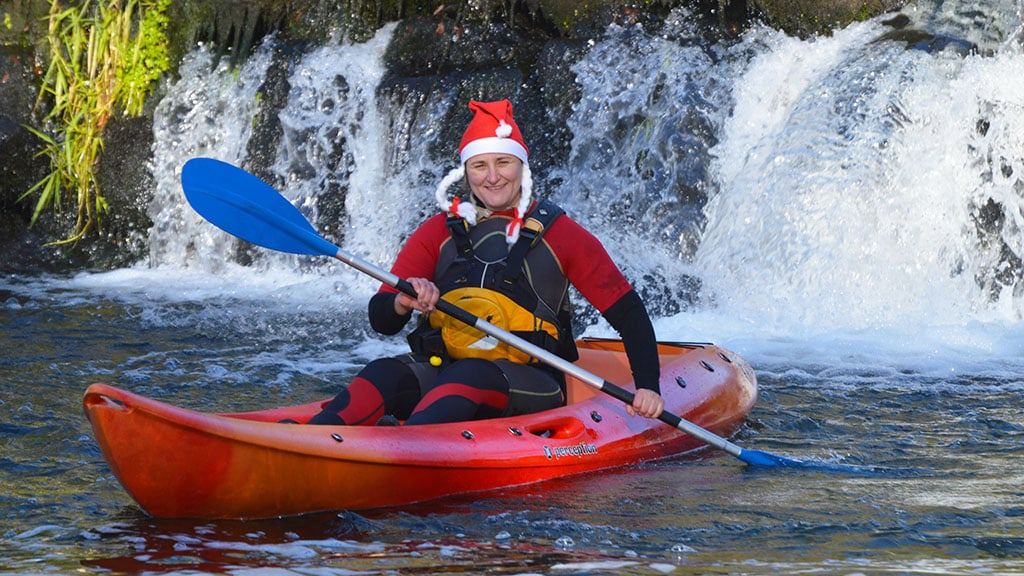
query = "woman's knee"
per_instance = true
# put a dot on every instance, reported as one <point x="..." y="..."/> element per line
<point x="384" y="369"/>
<point x="475" y="372"/>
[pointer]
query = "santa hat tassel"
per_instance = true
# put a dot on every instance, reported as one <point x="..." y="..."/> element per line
<point x="513" y="228"/>
<point x="463" y="209"/>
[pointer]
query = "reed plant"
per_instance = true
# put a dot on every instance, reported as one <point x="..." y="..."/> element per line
<point x="104" y="59"/>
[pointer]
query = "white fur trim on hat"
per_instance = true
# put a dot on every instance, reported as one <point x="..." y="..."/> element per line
<point x="493" y="145"/>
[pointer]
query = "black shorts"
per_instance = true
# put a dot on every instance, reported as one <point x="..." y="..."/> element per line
<point x="530" y="388"/>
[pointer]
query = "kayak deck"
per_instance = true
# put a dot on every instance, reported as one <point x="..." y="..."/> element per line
<point x="177" y="462"/>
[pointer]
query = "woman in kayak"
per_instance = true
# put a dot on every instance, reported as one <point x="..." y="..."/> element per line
<point x="509" y="259"/>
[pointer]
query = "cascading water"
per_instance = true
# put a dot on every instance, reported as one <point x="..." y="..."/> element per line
<point x="855" y="180"/>
<point x="642" y="135"/>
<point x="208" y="112"/>
<point x="847" y="182"/>
<point x="853" y="183"/>
<point x="333" y="159"/>
<point x="332" y="147"/>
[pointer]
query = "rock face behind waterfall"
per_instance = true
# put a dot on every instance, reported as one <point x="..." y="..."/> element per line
<point x="18" y="169"/>
<point x="488" y="48"/>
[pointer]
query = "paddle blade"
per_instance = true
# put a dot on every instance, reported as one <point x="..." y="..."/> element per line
<point x="759" y="458"/>
<point x="765" y="459"/>
<point x="245" y="206"/>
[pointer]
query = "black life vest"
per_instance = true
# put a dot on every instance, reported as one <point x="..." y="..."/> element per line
<point x="478" y="271"/>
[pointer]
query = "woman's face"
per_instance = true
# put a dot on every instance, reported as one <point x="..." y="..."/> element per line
<point x="495" y="179"/>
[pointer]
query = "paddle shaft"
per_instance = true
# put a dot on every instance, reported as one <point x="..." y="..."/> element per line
<point x="537" y="352"/>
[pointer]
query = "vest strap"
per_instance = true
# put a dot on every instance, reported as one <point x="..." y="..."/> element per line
<point x="536" y="224"/>
<point x="458" y="227"/>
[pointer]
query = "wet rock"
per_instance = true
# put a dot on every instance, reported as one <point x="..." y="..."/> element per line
<point x="918" y="39"/>
<point x="820" y="17"/>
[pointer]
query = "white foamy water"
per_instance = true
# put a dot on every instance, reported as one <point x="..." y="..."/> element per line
<point x="209" y="112"/>
<point x="852" y="173"/>
<point x="334" y="144"/>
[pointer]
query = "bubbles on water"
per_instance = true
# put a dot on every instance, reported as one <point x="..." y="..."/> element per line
<point x="680" y="549"/>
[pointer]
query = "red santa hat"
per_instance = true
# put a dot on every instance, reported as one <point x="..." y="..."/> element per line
<point x="492" y="130"/>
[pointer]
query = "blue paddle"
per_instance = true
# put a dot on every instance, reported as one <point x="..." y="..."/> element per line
<point x="245" y="206"/>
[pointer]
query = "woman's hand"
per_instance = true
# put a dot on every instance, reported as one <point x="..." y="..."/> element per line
<point x="427" y="297"/>
<point x="647" y="403"/>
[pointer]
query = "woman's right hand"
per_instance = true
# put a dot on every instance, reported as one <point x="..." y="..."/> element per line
<point x="427" y="296"/>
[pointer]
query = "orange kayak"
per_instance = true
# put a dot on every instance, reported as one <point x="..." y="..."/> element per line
<point x="181" y="463"/>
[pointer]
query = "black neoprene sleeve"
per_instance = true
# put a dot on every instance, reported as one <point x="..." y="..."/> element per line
<point x="630" y="319"/>
<point x="383" y="317"/>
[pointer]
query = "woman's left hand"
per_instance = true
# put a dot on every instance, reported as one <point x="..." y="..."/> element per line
<point x="647" y="403"/>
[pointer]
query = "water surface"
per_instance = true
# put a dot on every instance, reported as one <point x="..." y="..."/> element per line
<point x="939" y="488"/>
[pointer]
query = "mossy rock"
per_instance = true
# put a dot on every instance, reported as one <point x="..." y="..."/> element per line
<point x="820" y="17"/>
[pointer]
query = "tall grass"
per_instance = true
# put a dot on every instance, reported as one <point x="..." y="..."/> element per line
<point x="104" y="57"/>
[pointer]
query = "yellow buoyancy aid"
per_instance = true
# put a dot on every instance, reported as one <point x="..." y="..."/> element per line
<point x="463" y="341"/>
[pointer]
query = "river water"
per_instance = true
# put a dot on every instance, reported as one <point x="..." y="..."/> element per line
<point x="864" y="204"/>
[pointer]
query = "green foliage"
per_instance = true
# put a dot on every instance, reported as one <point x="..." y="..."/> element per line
<point x="149" y="59"/>
<point x="101" y="63"/>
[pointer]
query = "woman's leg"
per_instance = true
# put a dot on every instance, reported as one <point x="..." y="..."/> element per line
<point x="386" y="385"/>
<point x="533" y="388"/>
<point x="474" y="389"/>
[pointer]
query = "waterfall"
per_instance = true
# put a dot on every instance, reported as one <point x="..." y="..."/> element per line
<point x="856" y="181"/>
<point x="841" y="182"/>
<point x="208" y="112"/>
<point x="642" y="133"/>
<point x="333" y="138"/>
